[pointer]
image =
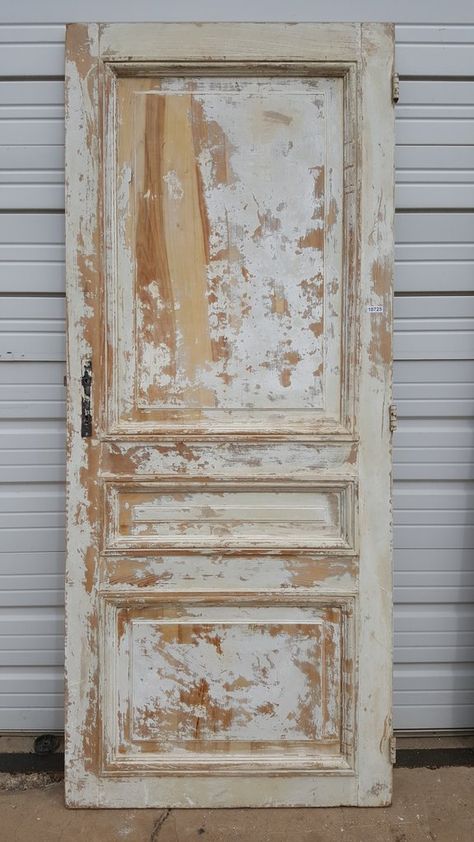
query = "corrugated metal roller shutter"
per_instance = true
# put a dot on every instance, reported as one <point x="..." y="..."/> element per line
<point x="434" y="381"/>
<point x="434" y="377"/>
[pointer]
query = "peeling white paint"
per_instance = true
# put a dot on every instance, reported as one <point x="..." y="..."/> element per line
<point x="175" y="188"/>
<point x="204" y="667"/>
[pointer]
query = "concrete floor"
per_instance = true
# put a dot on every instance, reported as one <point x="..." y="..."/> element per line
<point x="429" y="804"/>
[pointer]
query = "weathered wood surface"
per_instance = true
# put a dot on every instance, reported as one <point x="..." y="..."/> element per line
<point x="229" y="255"/>
<point x="228" y="586"/>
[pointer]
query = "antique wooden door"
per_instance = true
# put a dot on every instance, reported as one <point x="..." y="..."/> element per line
<point x="229" y="270"/>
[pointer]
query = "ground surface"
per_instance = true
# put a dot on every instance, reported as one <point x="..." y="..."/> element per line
<point x="429" y="804"/>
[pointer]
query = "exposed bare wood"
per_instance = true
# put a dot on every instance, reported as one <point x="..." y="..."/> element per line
<point x="242" y="42"/>
<point x="229" y="280"/>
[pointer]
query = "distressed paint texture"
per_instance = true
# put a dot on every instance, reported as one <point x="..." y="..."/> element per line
<point x="248" y="459"/>
<point x="230" y="682"/>
<point x="223" y="516"/>
<point x="219" y="683"/>
<point x="204" y="568"/>
<point x="218" y="295"/>
<point x="231" y="221"/>
<point x="228" y="572"/>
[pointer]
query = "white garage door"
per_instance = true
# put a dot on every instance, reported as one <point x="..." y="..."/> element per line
<point x="434" y="375"/>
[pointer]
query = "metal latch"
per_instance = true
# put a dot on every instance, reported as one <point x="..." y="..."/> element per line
<point x="86" y="415"/>
<point x="393" y="418"/>
<point x="395" y="87"/>
<point x="393" y="750"/>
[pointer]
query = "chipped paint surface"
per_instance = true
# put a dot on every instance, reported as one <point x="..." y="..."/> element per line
<point x="223" y="516"/>
<point x="243" y="572"/>
<point x="252" y="273"/>
<point x="228" y="571"/>
<point x="235" y="272"/>
<point x="237" y="681"/>
<point x="247" y="680"/>
<point x="231" y="459"/>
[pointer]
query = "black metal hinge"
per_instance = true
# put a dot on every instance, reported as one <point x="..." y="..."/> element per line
<point x="395" y="87"/>
<point x="86" y="415"/>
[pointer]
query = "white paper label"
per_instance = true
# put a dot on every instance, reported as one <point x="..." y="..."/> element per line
<point x="375" y="308"/>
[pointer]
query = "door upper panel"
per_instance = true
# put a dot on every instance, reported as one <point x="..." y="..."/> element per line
<point x="226" y="283"/>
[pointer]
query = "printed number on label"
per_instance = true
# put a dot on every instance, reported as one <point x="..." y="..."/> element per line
<point x="375" y="308"/>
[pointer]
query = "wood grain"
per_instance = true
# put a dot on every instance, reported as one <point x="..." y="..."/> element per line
<point x="229" y="229"/>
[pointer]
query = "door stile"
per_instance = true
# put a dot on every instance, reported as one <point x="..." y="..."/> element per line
<point x="375" y="451"/>
<point x="83" y="290"/>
